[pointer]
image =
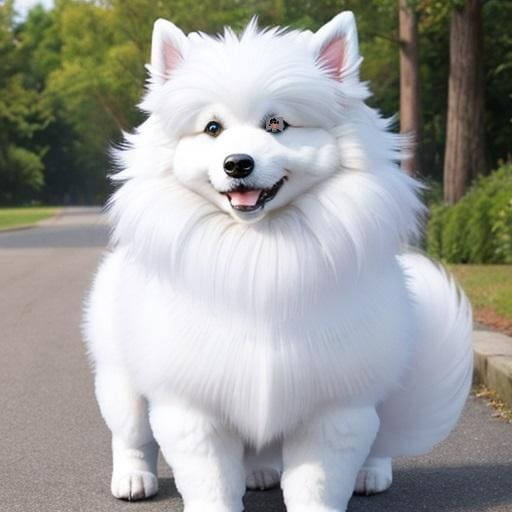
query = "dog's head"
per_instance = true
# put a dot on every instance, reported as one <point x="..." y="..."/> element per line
<point x="213" y="97"/>
<point x="206" y="176"/>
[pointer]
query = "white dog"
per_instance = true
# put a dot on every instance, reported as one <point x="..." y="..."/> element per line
<point x="259" y="315"/>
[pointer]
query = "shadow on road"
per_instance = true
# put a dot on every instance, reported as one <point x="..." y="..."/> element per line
<point x="166" y="489"/>
<point x="78" y="227"/>
<point x="76" y="236"/>
<point x="443" y="489"/>
<point x="83" y="211"/>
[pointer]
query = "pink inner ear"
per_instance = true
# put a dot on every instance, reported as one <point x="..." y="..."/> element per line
<point x="172" y="57"/>
<point x="334" y="56"/>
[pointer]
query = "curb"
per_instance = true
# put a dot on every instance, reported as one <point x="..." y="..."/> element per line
<point x="55" y="216"/>
<point x="493" y="362"/>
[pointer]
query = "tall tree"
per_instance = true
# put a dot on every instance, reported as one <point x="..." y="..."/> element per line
<point x="22" y="116"/>
<point x="409" y="83"/>
<point x="465" y="130"/>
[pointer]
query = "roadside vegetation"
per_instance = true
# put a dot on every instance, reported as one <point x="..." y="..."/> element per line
<point x="70" y="76"/>
<point x="478" y="228"/>
<point x="21" y="217"/>
<point x="489" y="287"/>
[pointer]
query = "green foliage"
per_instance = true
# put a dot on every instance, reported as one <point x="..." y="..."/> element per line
<point x="498" y="62"/>
<point x="501" y="227"/>
<point x="22" y="115"/>
<point x="21" y="173"/>
<point x="70" y="78"/>
<point x="487" y="286"/>
<point x="478" y="229"/>
<point x="26" y="216"/>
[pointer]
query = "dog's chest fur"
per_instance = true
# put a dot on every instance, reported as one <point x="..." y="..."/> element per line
<point x="263" y="371"/>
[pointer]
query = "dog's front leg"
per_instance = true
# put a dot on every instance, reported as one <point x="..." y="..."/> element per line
<point x="206" y="458"/>
<point x="322" y="458"/>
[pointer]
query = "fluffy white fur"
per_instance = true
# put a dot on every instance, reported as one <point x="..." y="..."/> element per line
<point x="301" y="338"/>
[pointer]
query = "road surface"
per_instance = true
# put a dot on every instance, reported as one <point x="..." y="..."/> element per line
<point x="54" y="447"/>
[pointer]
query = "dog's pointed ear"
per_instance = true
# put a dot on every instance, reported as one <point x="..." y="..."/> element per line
<point x="167" y="49"/>
<point x="336" y="47"/>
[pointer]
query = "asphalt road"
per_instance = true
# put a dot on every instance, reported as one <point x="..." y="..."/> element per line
<point x="54" y="447"/>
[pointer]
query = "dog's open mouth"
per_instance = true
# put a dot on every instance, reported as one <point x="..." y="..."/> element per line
<point x="246" y="199"/>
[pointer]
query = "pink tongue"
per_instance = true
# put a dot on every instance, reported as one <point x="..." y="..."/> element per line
<point x="248" y="198"/>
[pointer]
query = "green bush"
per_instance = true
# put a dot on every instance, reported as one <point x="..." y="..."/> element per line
<point x="478" y="229"/>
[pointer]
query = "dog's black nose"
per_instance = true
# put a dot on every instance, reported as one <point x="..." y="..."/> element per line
<point x="238" y="165"/>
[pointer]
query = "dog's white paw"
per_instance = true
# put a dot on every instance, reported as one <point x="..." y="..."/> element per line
<point x="375" y="476"/>
<point x="135" y="485"/>
<point x="263" y="478"/>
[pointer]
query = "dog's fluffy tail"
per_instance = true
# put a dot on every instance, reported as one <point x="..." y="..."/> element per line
<point x="426" y="407"/>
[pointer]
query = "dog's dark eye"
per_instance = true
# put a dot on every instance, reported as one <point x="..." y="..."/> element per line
<point x="274" y="124"/>
<point x="280" y="127"/>
<point x="213" y="128"/>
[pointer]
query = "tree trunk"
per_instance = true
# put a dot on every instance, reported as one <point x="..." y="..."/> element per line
<point x="409" y="84"/>
<point x="465" y="130"/>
